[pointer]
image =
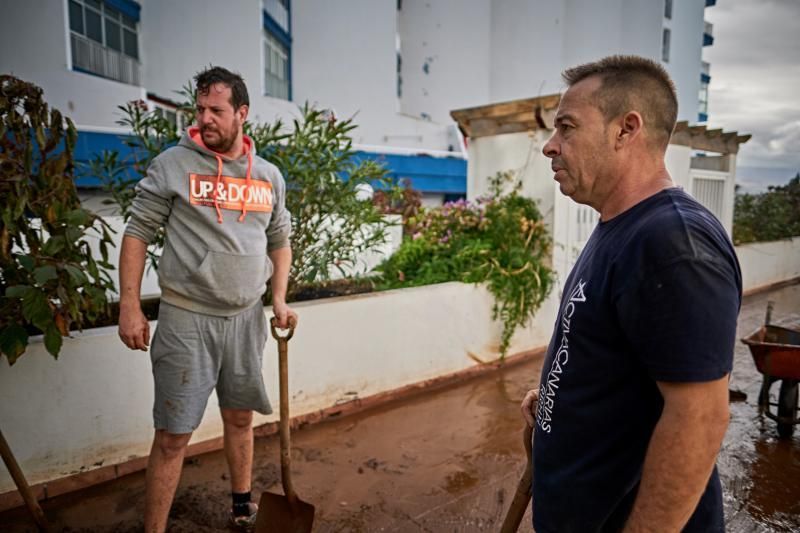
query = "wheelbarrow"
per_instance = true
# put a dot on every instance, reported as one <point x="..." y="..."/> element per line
<point x="776" y="353"/>
<point x="287" y="513"/>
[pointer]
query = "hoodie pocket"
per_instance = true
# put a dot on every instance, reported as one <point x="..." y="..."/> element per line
<point x="230" y="279"/>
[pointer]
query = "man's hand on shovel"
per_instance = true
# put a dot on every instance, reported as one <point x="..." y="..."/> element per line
<point x="529" y="406"/>
<point x="284" y="315"/>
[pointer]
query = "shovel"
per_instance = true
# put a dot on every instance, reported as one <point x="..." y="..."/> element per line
<point x="287" y="513"/>
<point x="523" y="495"/>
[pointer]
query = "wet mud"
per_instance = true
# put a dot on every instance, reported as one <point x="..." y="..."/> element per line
<point x="448" y="460"/>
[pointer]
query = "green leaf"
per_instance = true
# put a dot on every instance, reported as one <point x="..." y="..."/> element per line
<point x="17" y="291"/>
<point x="54" y="245"/>
<point x="43" y="274"/>
<point x="53" y="340"/>
<point x="36" y="310"/>
<point x="27" y="262"/>
<point x="77" y="217"/>
<point x="76" y="274"/>
<point x="13" y="341"/>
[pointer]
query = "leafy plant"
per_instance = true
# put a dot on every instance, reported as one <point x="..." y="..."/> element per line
<point x="406" y="202"/>
<point x="331" y="225"/>
<point x="768" y="216"/>
<point x="50" y="280"/>
<point x="499" y="240"/>
<point x="151" y="134"/>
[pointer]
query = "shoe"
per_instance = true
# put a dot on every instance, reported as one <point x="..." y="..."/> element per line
<point x="245" y="522"/>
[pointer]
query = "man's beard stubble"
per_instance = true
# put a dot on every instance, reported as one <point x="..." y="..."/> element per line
<point x="224" y="144"/>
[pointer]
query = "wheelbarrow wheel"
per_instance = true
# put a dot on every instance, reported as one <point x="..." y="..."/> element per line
<point x="787" y="408"/>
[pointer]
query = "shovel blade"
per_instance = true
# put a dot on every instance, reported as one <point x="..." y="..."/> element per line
<point x="277" y="515"/>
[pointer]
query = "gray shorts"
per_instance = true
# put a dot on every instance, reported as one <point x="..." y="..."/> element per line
<point x="194" y="353"/>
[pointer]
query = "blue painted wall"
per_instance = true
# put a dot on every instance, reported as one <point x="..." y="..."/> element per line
<point x="433" y="175"/>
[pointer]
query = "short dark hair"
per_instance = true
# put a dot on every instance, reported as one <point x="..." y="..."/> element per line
<point x="205" y="79"/>
<point x="632" y="83"/>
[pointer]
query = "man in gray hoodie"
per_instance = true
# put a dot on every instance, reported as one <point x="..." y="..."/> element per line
<point x="227" y="233"/>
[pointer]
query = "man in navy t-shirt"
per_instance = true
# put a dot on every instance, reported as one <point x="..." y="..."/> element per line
<point x="633" y="400"/>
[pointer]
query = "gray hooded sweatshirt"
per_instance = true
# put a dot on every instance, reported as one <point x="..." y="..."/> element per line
<point x="221" y="217"/>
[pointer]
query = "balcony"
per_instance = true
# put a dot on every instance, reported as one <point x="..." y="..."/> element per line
<point x="708" y="34"/>
<point x="711" y="3"/>
<point x="90" y="56"/>
<point x="705" y="76"/>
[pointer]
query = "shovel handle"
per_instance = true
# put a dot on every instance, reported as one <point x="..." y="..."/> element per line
<point x="522" y="497"/>
<point x="285" y="432"/>
<point x="273" y="325"/>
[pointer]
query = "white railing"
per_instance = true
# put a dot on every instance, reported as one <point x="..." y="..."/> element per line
<point x="710" y="191"/>
<point x="708" y="29"/>
<point x="98" y="59"/>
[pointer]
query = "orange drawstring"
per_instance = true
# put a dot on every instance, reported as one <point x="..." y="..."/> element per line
<point x="247" y="188"/>
<point x="216" y="189"/>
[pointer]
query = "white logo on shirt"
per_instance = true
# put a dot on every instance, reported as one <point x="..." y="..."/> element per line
<point x="549" y="388"/>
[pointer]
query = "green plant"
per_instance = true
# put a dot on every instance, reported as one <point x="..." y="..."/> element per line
<point x="151" y="133"/>
<point x="50" y="280"/>
<point x="332" y="225"/>
<point x="405" y="202"/>
<point x="499" y="240"/>
<point x="768" y="216"/>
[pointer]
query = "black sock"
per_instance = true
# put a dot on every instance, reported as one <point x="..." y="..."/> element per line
<point x="241" y="503"/>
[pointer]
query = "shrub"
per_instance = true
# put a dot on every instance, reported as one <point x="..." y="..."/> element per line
<point x="50" y="281"/>
<point x="768" y="216"/>
<point x="331" y="225"/>
<point x="499" y="240"/>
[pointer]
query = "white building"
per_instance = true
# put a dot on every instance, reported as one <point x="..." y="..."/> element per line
<point x="398" y="66"/>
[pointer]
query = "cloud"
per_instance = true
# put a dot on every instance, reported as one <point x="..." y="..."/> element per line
<point x="755" y="76"/>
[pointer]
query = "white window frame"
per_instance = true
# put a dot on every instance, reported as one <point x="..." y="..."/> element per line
<point x="266" y="49"/>
<point x="103" y="16"/>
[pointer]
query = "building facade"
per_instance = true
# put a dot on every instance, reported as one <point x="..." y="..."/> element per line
<point x="397" y="66"/>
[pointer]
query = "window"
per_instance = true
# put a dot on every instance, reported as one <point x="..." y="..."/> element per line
<point x="277" y="49"/>
<point x="276" y="68"/>
<point x="668" y="9"/>
<point x="703" y="99"/>
<point x="665" y="45"/>
<point x="104" y="39"/>
<point x="172" y="115"/>
<point x="278" y="10"/>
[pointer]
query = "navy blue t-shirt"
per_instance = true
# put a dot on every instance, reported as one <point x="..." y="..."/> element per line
<point x="654" y="296"/>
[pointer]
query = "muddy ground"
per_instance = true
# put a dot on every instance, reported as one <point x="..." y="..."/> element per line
<point x="447" y="460"/>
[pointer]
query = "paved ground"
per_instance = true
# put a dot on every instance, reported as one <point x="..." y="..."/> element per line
<point x="446" y="461"/>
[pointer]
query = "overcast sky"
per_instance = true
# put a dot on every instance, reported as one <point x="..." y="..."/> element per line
<point x="755" y="83"/>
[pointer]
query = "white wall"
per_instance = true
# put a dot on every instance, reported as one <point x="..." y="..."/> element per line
<point x="93" y="405"/>
<point x="345" y="59"/>
<point x="678" y="159"/>
<point x="34" y="47"/>
<point x="445" y="50"/>
<point x="764" y="263"/>
<point x="685" y="61"/>
<point x="518" y="152"/>
<point x="182" y="37"/>
<point x="526" y="48"/>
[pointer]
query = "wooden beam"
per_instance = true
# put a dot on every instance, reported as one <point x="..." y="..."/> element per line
<point x="506" y="108"/>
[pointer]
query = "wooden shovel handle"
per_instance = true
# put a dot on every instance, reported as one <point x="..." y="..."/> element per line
<point x="285" y="432"/>
<point x="522" y="497"/>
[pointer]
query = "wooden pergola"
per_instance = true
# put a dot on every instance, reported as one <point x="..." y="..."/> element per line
<point x="531" y="114"/>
